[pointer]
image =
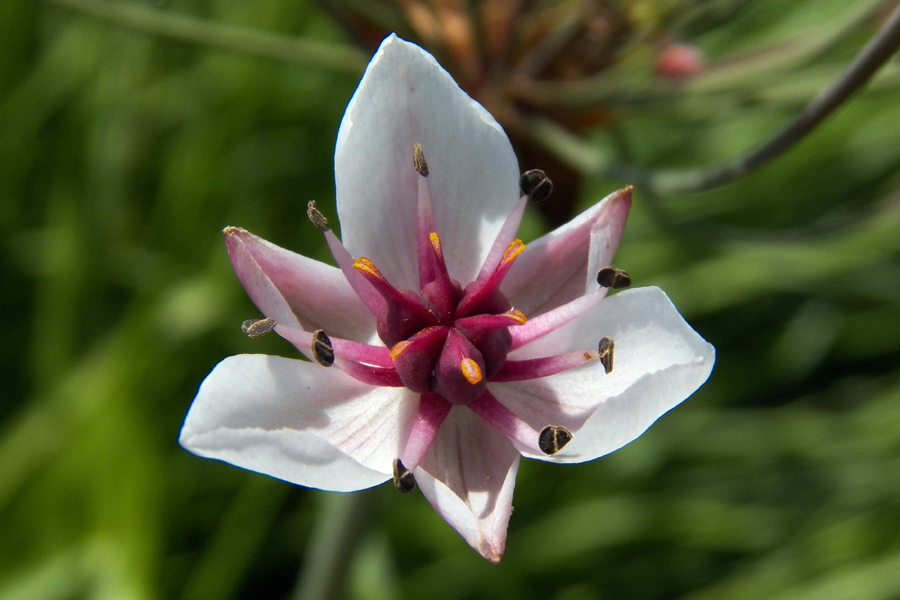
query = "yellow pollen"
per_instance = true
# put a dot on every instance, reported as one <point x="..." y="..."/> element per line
<point x="512" y="251"/>
<point x="398" y="349"/>
<point x="516" y="314"/>
<point x="470" y="370"/>
<point x="435" y="243"/>
<point x="365" y="265"/>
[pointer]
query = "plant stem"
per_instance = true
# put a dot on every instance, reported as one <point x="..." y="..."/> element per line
<point x="585" y="158"/>
<point x="298" y="51"/>
<point x="340" y="524"/>
<point x="873" y="56"/>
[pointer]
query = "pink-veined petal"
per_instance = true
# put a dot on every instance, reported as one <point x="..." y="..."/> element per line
<point x="562" y="265"/>
<point x="261" y="289"/>
<point x="659" y="360"/>
<point x="468" y="476"/>
<point x="406" y="98"/>
<point x="318" y="294"/>
<point x="299" y="422"/>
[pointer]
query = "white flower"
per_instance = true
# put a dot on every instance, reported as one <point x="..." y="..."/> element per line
<point x="455" y="349"/>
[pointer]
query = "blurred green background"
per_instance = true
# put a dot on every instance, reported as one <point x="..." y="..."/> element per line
<point x="124" y="154"/>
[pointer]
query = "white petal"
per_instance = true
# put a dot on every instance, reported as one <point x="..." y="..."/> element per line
<point x="299" y="422"/>
<point x="468" y="476"/>
<point x="288" y="287"/>
<point x="406" y="98"/>
<point x="659" y="360"/>
<point x="260" y="287"/>
<point x="562" y="265"/>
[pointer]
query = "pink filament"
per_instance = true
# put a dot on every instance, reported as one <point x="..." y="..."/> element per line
<point x="548" y="322"/>
<point x="504" y="237"/>
<point x="519" y="370"/>
<point x="491" y="410"/>
<point x="432" y="411"/>
<point x="363" y="288"/>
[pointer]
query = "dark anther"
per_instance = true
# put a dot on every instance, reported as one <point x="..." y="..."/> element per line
<point x="322" y="349"/>
<point x="419" y="160"/>
<point x="611" y="277"/>
<point x="553" y="439"/>
<point x="317" y="218"/>
<point x="257" y="327"/>
<point x="535" y="184"/>
<point x="404" y="480"/>
<point x="606" y="353"/>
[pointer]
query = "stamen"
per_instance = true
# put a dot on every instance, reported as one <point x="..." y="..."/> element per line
<point x="436" y="244"/>
<point x="506" y="235"/>
<point x="512" y="251"/>
<point x="377" y="356"/>
<point x="611" y="277"/>
<point x="553" y="439"/>
<point x="479" y="324"/>
<point x="324" y="354"/>
<point x="470" y="370"/>
<point x="419" y="163"/>
<point x="367" y="295"/>
<point x="606" y="354"/>
<point x="322" y="349"/>
<point x="404" y="480"/>
<point x="432" y="411"/>
<point x="536" y="185"/>
<point x="427" y="267"/>
<point x="317" y="218"/>
<point x="366" y="266"/>
<point x="492" y="411"/>
<point x="376" y="376"/>
<point x="257" y="327"/>
<point x="391" y="294"/>
<point x="548" y="322"/>
<point x="535" y="368"/>
<point x="516" y="315"/>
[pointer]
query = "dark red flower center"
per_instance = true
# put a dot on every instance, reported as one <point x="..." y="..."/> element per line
<point x="447" y="339"/>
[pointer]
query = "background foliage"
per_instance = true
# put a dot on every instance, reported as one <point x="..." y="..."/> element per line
<point x="123" y="155"/>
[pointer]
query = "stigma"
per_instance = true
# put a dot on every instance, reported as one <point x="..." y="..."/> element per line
<point x="446" y="339"/>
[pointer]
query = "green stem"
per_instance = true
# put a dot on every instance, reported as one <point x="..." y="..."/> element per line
<point x="298" y="51"/>
<point x="340" y="525"/>
<point x="873" y="56"/>
<point x="584" y="157"/>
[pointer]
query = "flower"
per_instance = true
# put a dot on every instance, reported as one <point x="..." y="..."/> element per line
<point x="442" y="349"/>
